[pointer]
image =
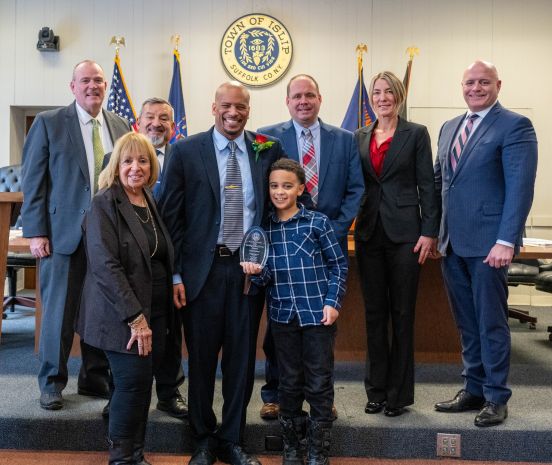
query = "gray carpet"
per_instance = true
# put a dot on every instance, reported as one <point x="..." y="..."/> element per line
<point x="525" y="436"/>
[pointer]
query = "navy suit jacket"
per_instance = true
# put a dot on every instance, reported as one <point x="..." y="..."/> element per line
<point x="489" y="195"/>
<point x="190" y="205"/>
<point x="403" y="196"/>
<point x="340" y="181"/>
<point x="56" y="181"/>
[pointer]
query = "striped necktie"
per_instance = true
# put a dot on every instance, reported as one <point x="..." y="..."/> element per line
<point x="98" y="150"/>
<point x="309" y="165"/>
<point x="232" y="230"/>
<point x="461" y="141"/>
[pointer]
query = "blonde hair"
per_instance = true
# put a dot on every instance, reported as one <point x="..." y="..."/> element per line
<point x="130" y="142"/>
<point x="395" y="84"/>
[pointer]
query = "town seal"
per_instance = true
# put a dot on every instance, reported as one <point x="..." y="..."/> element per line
<point x="256" y="50"/>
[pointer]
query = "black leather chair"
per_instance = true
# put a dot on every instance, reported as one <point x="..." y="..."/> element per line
<point x="10" y="181"/>
<point x="523" y="272"/>
<point x="544" y="283"/>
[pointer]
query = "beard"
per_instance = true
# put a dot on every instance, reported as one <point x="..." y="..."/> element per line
<point x="157" y="141"/>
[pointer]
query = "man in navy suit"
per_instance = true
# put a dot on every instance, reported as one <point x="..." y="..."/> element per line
<point x="339" y="186"/>
<point x="485" y="172"/>
<point x="156" y="121"/>
<point x="198" y="204"/>
<point x="59" y="167"/>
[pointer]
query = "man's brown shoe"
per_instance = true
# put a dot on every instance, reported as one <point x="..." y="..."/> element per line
<point x="269" y="411"/>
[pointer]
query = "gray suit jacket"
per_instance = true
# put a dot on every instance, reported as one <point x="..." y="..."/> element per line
<point x="118" y="277"/>
<point x="56" y="184"/>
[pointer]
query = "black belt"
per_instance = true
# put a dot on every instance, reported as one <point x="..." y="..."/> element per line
<point x="223" y="251"/>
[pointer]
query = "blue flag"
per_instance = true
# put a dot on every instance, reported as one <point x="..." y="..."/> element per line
<point x="176" y="99"/>
<point x="119" y="101"/>
<point x="360" y="112"/>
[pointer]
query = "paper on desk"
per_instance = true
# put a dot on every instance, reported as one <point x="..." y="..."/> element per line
<point x="534" y="242"/>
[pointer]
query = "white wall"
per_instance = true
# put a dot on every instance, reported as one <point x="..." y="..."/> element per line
<point x="450" y="34"/>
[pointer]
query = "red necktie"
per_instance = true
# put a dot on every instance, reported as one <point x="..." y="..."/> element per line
<point x="461" y="141"/>
<point x="309" y="165"/>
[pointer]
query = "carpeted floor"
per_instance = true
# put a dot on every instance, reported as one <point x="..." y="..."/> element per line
<point x="526" y="435"/>
<point x="94" y="458"/>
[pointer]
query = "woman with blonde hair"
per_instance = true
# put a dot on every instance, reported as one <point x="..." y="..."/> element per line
<point x="395" y="232"/>
<point x="126" y="306"/>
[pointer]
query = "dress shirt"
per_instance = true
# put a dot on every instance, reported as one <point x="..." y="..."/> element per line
<point x="161" y="157"/>
<point x="315" y="131"/>
<point x="476" y="124"/>
<point x="306" y="269"/>
<point x="223" y="152"/>
<point x="377" y="154"/>
<point x="86" y="130"/>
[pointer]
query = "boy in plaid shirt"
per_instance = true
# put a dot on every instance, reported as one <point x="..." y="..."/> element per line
<point x="305" y="274"/>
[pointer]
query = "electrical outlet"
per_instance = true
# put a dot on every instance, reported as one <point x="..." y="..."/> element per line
<point x="448" y="445"/>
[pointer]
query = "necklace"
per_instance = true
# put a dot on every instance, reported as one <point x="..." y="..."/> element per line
<point x="148" y="217"/>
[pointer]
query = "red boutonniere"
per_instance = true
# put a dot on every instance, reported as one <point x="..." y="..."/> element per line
<point x="261" y="143"/>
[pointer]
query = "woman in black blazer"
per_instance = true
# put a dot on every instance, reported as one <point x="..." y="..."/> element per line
<point x="396" y="230"/>
<point x="126" y="305"/>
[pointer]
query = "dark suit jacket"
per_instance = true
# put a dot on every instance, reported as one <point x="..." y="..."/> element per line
<point x="489" y="195"/>
<point x="190" y="202"/>
<point x="340" y="183"/>
<point x="404" y="195"/>
<point x="118" y="278"/>
<point x="56" y="183"/>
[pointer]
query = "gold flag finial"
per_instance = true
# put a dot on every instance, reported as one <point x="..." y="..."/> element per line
<point x="175" y="40"/>
<point x="117" y="41"/>
<point x="412" y="51"/>
<point x="361" y="49"/>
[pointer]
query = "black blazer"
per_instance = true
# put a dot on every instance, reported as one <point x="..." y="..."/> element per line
<point x="190" y="202"/>
<point x="118" y="279"/>
<point x="404" y="195"/>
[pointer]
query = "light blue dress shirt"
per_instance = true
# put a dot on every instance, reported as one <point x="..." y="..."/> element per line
<point x="222" y="152"/>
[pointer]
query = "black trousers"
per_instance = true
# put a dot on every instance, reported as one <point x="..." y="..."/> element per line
<point x="221" y="317"/>
<point x="389" y="280"/>
<point x="169" y="375"/>
<point x="306" y="361"/>
<point x="132" y="382"/>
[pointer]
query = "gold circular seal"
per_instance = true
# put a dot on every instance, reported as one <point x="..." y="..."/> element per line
<point x="256" y="50"/>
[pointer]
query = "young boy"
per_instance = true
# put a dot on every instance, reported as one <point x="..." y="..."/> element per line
<point x="305" y="274"/>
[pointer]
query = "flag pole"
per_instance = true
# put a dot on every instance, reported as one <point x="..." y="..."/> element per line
<point x="360" y="49"/>
<point x="113" y="99"/>
<point x="411" y="51"/>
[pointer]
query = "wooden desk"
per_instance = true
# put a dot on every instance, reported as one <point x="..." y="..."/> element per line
<point x="436" y="336"/>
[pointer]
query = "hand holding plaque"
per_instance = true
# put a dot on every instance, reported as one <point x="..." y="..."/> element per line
<point x="253" y="254"/>
<point x="254" y="247"/>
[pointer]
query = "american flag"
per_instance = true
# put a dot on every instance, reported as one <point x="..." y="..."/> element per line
<point x="119" y="101"/>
